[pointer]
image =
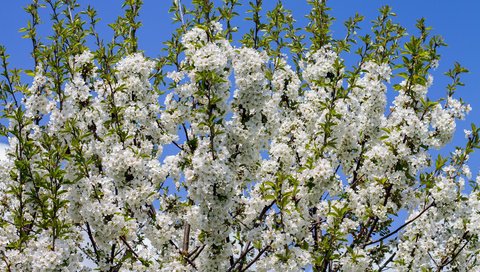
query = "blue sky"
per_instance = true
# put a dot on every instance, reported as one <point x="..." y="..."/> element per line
<point x="457" y="22"/>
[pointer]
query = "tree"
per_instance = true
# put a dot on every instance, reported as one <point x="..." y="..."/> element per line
<point x="286" y="159"/>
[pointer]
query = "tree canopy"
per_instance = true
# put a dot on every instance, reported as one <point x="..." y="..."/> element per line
<point x="262" y="151"/>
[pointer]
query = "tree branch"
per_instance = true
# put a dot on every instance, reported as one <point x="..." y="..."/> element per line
<point x="242" y="255"/>
<point x="260" y="253"/>
<point x="401" y="227"/>
<point x="90" y="236"/>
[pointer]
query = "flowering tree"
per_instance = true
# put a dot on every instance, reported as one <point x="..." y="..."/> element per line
<point x="285" y="158"/>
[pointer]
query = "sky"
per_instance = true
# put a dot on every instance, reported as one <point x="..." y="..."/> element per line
<point x="458" y="22"/>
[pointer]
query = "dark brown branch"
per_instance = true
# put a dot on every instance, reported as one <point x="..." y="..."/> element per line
<point x="262" y="213"/>
<point x="455" y="254"/>
<point x="190" y="254"/>
<point x="190" y="262"/>
<point x="387" y="262"/>
<point x="431" y="258"/>
<point x="128" y="246"/>
<point x="242" y="255"/>
<point x="90" y="235"/>
<point x="186" y="238"/>
<point x="112" y="253"/>
<point x="401" y="227"/>
<point x="198" y="253"/>
<point x="260" y="253"/>
<point x="375" y="221"/>
<point x="177" y="145"/>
